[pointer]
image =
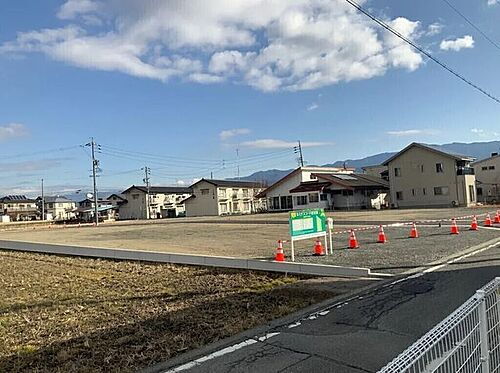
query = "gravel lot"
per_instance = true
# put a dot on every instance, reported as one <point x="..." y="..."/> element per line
<point x="60" y="314"/>
<point x="401" y="253"/>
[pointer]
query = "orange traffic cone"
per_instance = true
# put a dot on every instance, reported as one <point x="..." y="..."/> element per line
<point x="497" y="218"/>
<point x="487" y="222"/>
<point x="414" y="232"/>
<point x="280" y="255"/>
<point x="353" y="241"/>
<point x="318" y="249"/>
<point x="473" y="225"/>
<point x="454" y="227"/>
<point x="381" y="235"/>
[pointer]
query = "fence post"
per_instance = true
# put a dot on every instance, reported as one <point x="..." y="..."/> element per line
<point x="483" y="332"/>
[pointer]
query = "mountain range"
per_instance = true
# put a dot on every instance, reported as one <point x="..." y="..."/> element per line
<point x="479" y="150"/>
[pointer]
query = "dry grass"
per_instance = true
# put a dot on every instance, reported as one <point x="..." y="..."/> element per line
<point x="61" y="314"/>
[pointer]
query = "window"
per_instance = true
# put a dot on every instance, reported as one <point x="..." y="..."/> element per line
<point x="424" y="191"/>
<point x="223" y="208"/>
<point x="246" y="206"/>
<point x="422" y="168"/>
<point x="59" y="205"/>
<point x="347" y="193"/>
<point x="484" y="168"/>
<point x="204" y="192"/>
<point x="399" y="196"/>
<point x="275" y="203"/>
<point x="313" y="197"/>
<point x="471" y="193"/>
<point x="479" y="191"/>
<point x="439" y="168"/>
<point x="222" y="193"/>
<point x="397" y="171"/>
<point x="491" y="168"/>
<point x="441" y="191"/>
<point x="301" y="200"/>
<point x="323" y="197"/>
<point x="413" y="192"/>
<point x="135" y="196"/>
<point x="245" y="192"/>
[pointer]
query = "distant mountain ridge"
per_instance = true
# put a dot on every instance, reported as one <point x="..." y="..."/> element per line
<point x="479" y="150"/>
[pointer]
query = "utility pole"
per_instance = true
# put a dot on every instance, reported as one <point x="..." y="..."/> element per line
<point x="95" y="167"/>
<point x="147" y="174"/>
<point x="43" y="203"/>
<point x="298" y="149"/>
<point x="238" y="162"/>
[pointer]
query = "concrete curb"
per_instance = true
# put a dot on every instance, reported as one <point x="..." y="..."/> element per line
<point x="189" y="259"/>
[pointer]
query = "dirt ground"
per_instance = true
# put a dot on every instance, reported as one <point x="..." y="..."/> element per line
<point x="242" y="237"/>
<point x="60" y="314"/>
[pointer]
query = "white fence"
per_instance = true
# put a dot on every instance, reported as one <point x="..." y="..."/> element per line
<point x="466" y="341"/>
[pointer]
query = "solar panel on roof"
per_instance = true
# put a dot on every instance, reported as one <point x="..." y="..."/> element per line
<point x="345" y="177"/>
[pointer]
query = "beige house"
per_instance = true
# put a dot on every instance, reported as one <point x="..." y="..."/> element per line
<point x="325" y="187"/>
<point x="18" y="207"/>
<point x="423" y="176"/>
<point x="488" y="179"/>
<point x="224" y="197"/>
<point x="163" y="202"/>
<point x="57" y="207"/>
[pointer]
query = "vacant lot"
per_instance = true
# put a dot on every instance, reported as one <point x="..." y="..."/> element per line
<point x="251" y="236"/>
<point x="61" y="314"/>
<point x="401" y="253"/>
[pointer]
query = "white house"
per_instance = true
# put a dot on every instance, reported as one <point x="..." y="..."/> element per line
<point x="488" y="179"/>
<point x="19" y="207"/>
<point x="325" y="187"/>
<point x="163" y="202"/>
<point x="59" y="207"/>
<point x="224" y="197"/>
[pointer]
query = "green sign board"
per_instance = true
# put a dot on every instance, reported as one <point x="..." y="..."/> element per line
<point x="307" y="223"/>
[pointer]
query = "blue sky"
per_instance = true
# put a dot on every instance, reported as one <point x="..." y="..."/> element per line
<point x="190" y="84"/>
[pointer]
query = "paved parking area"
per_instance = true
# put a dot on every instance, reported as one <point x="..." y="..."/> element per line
<point x="401" y="253"/>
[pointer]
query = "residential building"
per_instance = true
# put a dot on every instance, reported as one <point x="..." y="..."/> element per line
<point x="19" y="207"/>
<point x="117" y="199"/>
<point x="377" y="171"/>
<point x="224" y="197"/>
<point x="105" y="210"/>
<point x="424" y="176"/>
<point x="325" y="187"/>
<point x="488" y="179"/>
<point x="163" y="202"/>
<point x="57" y="207"/>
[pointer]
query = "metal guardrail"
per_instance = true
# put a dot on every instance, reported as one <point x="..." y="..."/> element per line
<point x="466" y="341"/>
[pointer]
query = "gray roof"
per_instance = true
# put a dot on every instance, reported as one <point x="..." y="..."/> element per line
<point x="16" y="198"/>
<point x="433" y="148"/>
<point x="232" y="183"/>
<point x="160" y="189"/>
<point x="486" y="159"/>
<point x="56" y="199"/>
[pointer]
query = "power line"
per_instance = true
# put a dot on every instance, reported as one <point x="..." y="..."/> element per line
<point x="421" y="50"/>
<point x="492" y="42"/>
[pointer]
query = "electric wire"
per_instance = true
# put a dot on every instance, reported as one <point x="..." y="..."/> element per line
<point x="422" y="51"/>
<point x="492" y="42"/>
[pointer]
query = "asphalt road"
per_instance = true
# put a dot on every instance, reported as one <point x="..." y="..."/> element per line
<point x="361" y="335"/>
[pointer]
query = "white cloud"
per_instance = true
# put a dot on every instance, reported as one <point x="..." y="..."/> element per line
<point x="465" y="42"/>
<point x="434" y="29"/>
<point x="12" y="130"/>
<point x="181" y="182"/>
<point x="493" y="2"/>
<point x="278" y="45"/>
<point x="73" y="8"/>
<point x="227" y="134"/>
<point x="312" y="107"/>
<point x="477" y="130"/>
<point x="411" y="132"/>
<point x="279" y="144"/>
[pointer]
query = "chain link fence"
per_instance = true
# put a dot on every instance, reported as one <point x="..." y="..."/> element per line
<point x="467" y="341"/>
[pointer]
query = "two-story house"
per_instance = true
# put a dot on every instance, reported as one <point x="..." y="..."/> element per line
<point x="19" y="207"/>
<point x="488" y="179"/>
<point x="421" y="175"/>
<point x="224" y="197"/>
<point x="57" y="207"/>
<point x="161" y="202"/>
